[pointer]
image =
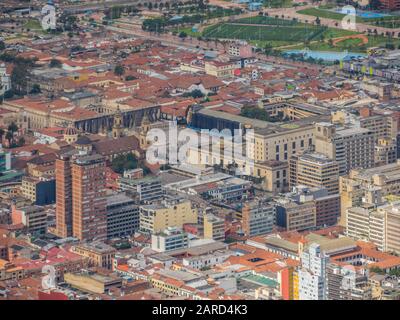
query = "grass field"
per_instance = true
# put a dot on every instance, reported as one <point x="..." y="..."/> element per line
<point x="248" y="32"/>
<point x="33" y="24"/>
<point x="387" y="22"/>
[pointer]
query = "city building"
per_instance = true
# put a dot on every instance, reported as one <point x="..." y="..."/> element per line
<point x="167" y="213"/>
<point x="63" y="175"/>
<point x="34" y="219"/>
<point x="98" y="253"/>
<point x="171" y="238"/>
<point x="122" y="216"/>
<point x="314" y="170"/>
<point x="89" y="213"/>
<point x="378" y="225"/>
<point x="5" y="160"/>
<point x="368" y="186"/>
<point x="258" y="217"/>
<point x="214" y="227"/>
<point x="40" y="191"/>
<point x="312" y="274"/>
<point x="148" y="188"/>
<point x="351" y="148"/>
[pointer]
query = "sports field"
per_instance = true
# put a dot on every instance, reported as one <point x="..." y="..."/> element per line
<point x="263" y="29"/>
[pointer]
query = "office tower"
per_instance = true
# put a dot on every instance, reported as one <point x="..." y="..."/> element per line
<point x="350" y="147"/>
<point x="314" y="170"/>
<point x="63" y="196"/>
<point x="89" y="214"/>
<point x="258" y="217"/>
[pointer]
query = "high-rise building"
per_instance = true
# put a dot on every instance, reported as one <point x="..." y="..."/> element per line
<point x="314" y="170"/>
<point x="63" y="196"/>
<point x="258" y="217"/>
<point x="89" y="215"/>
<point x="312" y="274"/>
<point x="350" y="147"/>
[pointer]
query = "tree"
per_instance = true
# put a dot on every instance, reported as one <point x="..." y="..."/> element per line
<point x="196" y="93"/>
<point x="119" y="70"/>
<point x="54" y="63"/>
<point x="8" y="94"/>
<point x="182" y="35"/>
<point x="318" y="21"/>
<point x="122" y="163"/>
<point x="35" y="89"/>
<point x="12" y="127"/>
<point x="2" y="45"/>
<point x="2" y="132"/>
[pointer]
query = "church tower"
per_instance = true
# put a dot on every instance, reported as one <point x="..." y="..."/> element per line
<point x="118" y="127"/>
<point x="144" y="129"/>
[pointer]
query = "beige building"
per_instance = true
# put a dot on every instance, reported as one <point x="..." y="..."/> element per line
<point x="292" y="216"/>
<point x="379" y="225"/>
<point x="220" y="69"/>
<point x="214" y="227"/>
<point x="368" y="186"/>
<point x="350" y="147"/>
<point x="382" y="126"/>
<point x="314" y="170"/>
<point x="274" y="174"/>
<point x="385" y="151"/>
<point x="155" y="218"/>
<point x="99" y="254"/>
<point x="92" y="282"/>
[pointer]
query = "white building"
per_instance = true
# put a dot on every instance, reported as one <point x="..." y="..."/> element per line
<point x="312" y="275"/>
<point x="208" y="260"/>
<point x="5" y="79"/>
<point x="171" y="238"/>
